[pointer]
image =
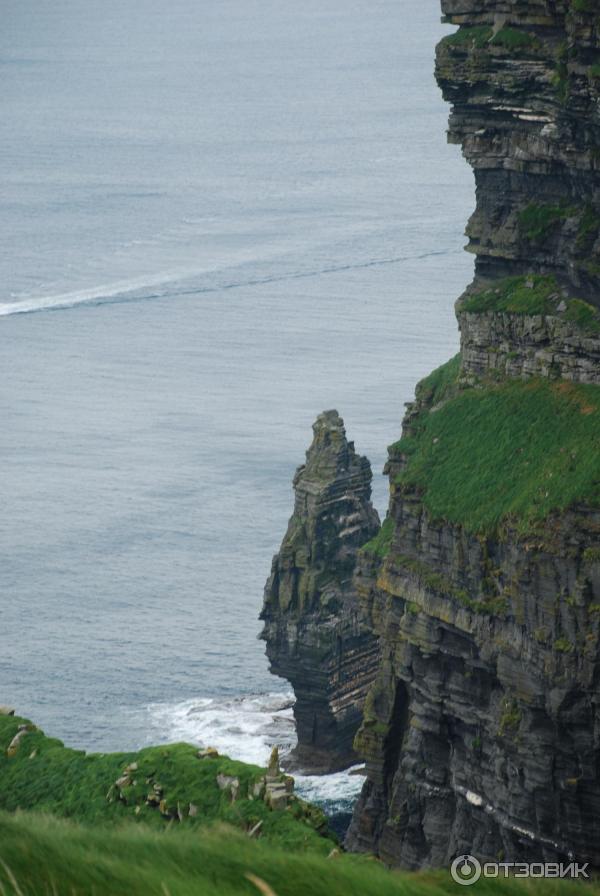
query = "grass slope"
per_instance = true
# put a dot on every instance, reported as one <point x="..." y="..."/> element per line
<point x="518" y="450"/>
<point x="45" y="775"/>
<point x="45" y="857"/>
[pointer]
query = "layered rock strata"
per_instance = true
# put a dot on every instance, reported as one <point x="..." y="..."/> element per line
<point x="314" y="634"/>
<point x="523" y="78"/>
<point x="482" y="729"/>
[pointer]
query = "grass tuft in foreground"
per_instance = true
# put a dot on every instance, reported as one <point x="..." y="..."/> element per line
<point x="41" y="856"/>
<point x="159" y="786"/>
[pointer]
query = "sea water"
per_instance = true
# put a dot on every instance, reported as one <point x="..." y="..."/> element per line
<point x="219" y="218"/>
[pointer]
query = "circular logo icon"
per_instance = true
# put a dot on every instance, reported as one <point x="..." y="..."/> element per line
<point x="465" y="870"/>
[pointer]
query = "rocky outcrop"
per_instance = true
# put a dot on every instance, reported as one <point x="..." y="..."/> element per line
<point x="523" y="78"/>
<point x="313" y="630"/>
<point x="524" y="82"/>
<point x="519" y="345"/>
<point x="481" y="732"/>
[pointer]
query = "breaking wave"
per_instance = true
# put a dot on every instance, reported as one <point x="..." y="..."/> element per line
<point x="247" y="728"/>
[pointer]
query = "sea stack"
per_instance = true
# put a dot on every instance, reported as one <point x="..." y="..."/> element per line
<point x="314" y="633"/>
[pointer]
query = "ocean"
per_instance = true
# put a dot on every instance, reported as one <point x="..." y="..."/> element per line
<point x="218" y="218"/>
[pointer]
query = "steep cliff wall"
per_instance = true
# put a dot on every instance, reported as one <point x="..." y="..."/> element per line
<point x="523" y="78"/>
<point x="482" y="729"/>
<point x="315" y="636"/>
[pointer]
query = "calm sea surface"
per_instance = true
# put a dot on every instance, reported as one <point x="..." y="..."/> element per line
<point x="218" y="218"/>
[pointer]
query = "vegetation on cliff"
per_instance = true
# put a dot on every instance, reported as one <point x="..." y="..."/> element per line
<point x="517" y="450"/>
<point x="171" y="822"/>
<point x="156" y="786"/>
<point x="532" y="295"/>
<point x="380" y="544"/>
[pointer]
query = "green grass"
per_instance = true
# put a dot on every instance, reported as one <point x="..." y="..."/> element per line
<point x="513" y="39"/>
<point x="535" y="294"/>
<point x="45" y="857"/>
<point x="584" y="315"/>
<point x="563" y="645"/>
<point x="480" y="36"/>
<point x="47" y="776"/>
<point x="583" y="5"/>
<point x="476" y="36"/>
<point x="381" y="543"/>
<point x="493" y="605"/>
<point x="510" y="718"/>
<point x="589" y="224"/>
<point x="438" y="385"/>
<point x="538" y="220"/>
<point x="517" y="450"/>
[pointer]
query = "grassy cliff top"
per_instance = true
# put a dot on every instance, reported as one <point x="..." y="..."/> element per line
<point x="160" y="786"/>
<point x="41" y="855"/>
<point x="101" y="848"/>
<point x="516" y="449"/>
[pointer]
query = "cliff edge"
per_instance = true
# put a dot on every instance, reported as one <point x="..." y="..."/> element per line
<point x="482" y="729"/>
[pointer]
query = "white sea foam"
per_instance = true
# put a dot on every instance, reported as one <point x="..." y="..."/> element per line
<point x="187" y="283"/>
<point x="335" y="793"/>
<point x="247" y="728"/>
<point x="79" y="297"/>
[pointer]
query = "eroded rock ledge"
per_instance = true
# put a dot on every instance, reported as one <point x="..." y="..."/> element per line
<point x="314" y="634"/>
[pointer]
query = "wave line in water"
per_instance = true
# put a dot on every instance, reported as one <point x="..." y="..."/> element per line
<point x="122" y="291"/>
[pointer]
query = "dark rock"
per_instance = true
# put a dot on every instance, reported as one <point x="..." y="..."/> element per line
<point x="315" y="637"/>
<point x="525" y="111"/>
<point x="481" y="730"/>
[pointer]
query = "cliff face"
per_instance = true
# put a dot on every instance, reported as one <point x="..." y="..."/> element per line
<point x="524" y="83"/>
<point x="315" y="636"/>
<point x="482" y="729"/>
<point x="523" y="78"/>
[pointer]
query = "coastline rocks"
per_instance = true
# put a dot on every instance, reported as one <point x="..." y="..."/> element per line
<point x="229" y="784"/>
<point x="480" y="731"/>
<point x="314" y="633"/>
<point x="14" y="745"/>
<point x="208" y="753"/>
<point x="523" y="346"/>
